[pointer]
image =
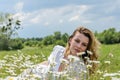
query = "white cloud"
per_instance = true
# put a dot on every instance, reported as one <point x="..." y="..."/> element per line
<point x="108" y="19"/>
<point x="98" y="14"/>
<point x="19" y="6"/>
<point x="83" y="8"/>
<point x="60" y="21"/>
<point x="19" y="16"/>
<point x="108" y="7"/>
<point x="46" y="23"/>
<point x="54" y="15"/>
<point x="86" y="21"/>
<point x="35" y="20"/>
<point x="19" y="13"/>
<point x="74" y="18"/>
<point x="101" y="13"/>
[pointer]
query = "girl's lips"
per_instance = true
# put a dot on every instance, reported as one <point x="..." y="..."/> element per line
<point x="77" y="50"/>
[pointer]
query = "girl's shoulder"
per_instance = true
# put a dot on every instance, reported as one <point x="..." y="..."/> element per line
<point x="57" y="53"/>
<point x="56" y="56"/>
<point x="59" y="47"/>
<point x="58" y="50"/>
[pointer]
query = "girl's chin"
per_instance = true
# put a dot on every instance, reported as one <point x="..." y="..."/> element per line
<point x="75" y="54"/>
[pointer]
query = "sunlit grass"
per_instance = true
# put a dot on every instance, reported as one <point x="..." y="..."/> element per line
<point x="12" y="63"/>
<point x="105" y="54"/>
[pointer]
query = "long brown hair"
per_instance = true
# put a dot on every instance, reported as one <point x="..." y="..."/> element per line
<point x="93" y="44"/>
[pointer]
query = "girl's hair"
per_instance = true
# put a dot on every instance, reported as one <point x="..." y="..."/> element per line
<point x="93" y="44"/>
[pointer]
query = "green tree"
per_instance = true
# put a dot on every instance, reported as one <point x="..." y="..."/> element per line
<point x="57" y="35"/>
<point x="109" y="36"/>
<point x="60" y="42"/>
<point x="48" y="40"/>
<point x="8" y="28"/>
<point x="65" y="37"/>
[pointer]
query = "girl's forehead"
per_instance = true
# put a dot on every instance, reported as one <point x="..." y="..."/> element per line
<point x="81" y="36"/>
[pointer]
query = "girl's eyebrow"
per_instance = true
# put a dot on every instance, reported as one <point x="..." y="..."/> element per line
<point x="86" y="43"/>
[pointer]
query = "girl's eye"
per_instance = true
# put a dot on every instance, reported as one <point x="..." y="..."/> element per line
<point x="77" y="40"/>
<point x="84" y="44"/>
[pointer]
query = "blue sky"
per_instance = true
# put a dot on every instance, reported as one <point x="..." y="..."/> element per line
<point x="43" y="17"/>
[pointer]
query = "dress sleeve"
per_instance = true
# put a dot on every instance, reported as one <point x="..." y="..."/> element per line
<point x="40" y="70"/>
<point x="56" y="56"/>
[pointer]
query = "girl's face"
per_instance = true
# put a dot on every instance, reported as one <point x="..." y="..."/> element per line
<point x="78" y="43"/>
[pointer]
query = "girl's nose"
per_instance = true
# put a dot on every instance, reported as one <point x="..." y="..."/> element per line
<point x="79" y="45"/>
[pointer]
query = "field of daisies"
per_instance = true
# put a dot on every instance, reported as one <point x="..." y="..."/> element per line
<point x="20" y="64"/>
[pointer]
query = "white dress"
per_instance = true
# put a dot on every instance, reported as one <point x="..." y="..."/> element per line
<point x="40" y="70"/>
<point x="55" y="58"/>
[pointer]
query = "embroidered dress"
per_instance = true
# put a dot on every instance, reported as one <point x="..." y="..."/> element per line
<point x="56" y="56"/>
<point x="54" y="60"/>
<point x="40" y="70"/>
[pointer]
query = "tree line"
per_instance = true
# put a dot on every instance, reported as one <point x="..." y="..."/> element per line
<point x="9" y="27"/>
<point x="108" y="36"/>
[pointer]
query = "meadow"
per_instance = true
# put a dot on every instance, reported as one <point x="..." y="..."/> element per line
<point x="15" y="61"/>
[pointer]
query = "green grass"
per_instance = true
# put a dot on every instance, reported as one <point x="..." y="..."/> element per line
<point x="105" y="50"/>
<point x="104" y="56"/>
<point x="29" y="51"/>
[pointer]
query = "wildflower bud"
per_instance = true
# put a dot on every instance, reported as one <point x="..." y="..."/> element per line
<point x="89" y="52"/>
<point x="110" y="55"/>
<point x="89" y="66"/>
<point x="107" y="62"/>
<point x="53" y="64"/>
<point x="80" y="53"/>
<point x="91" y="61"/>
<point x="64" y="61"/>
<point x="99" y="72"/>
<point x="73" y="58"/>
